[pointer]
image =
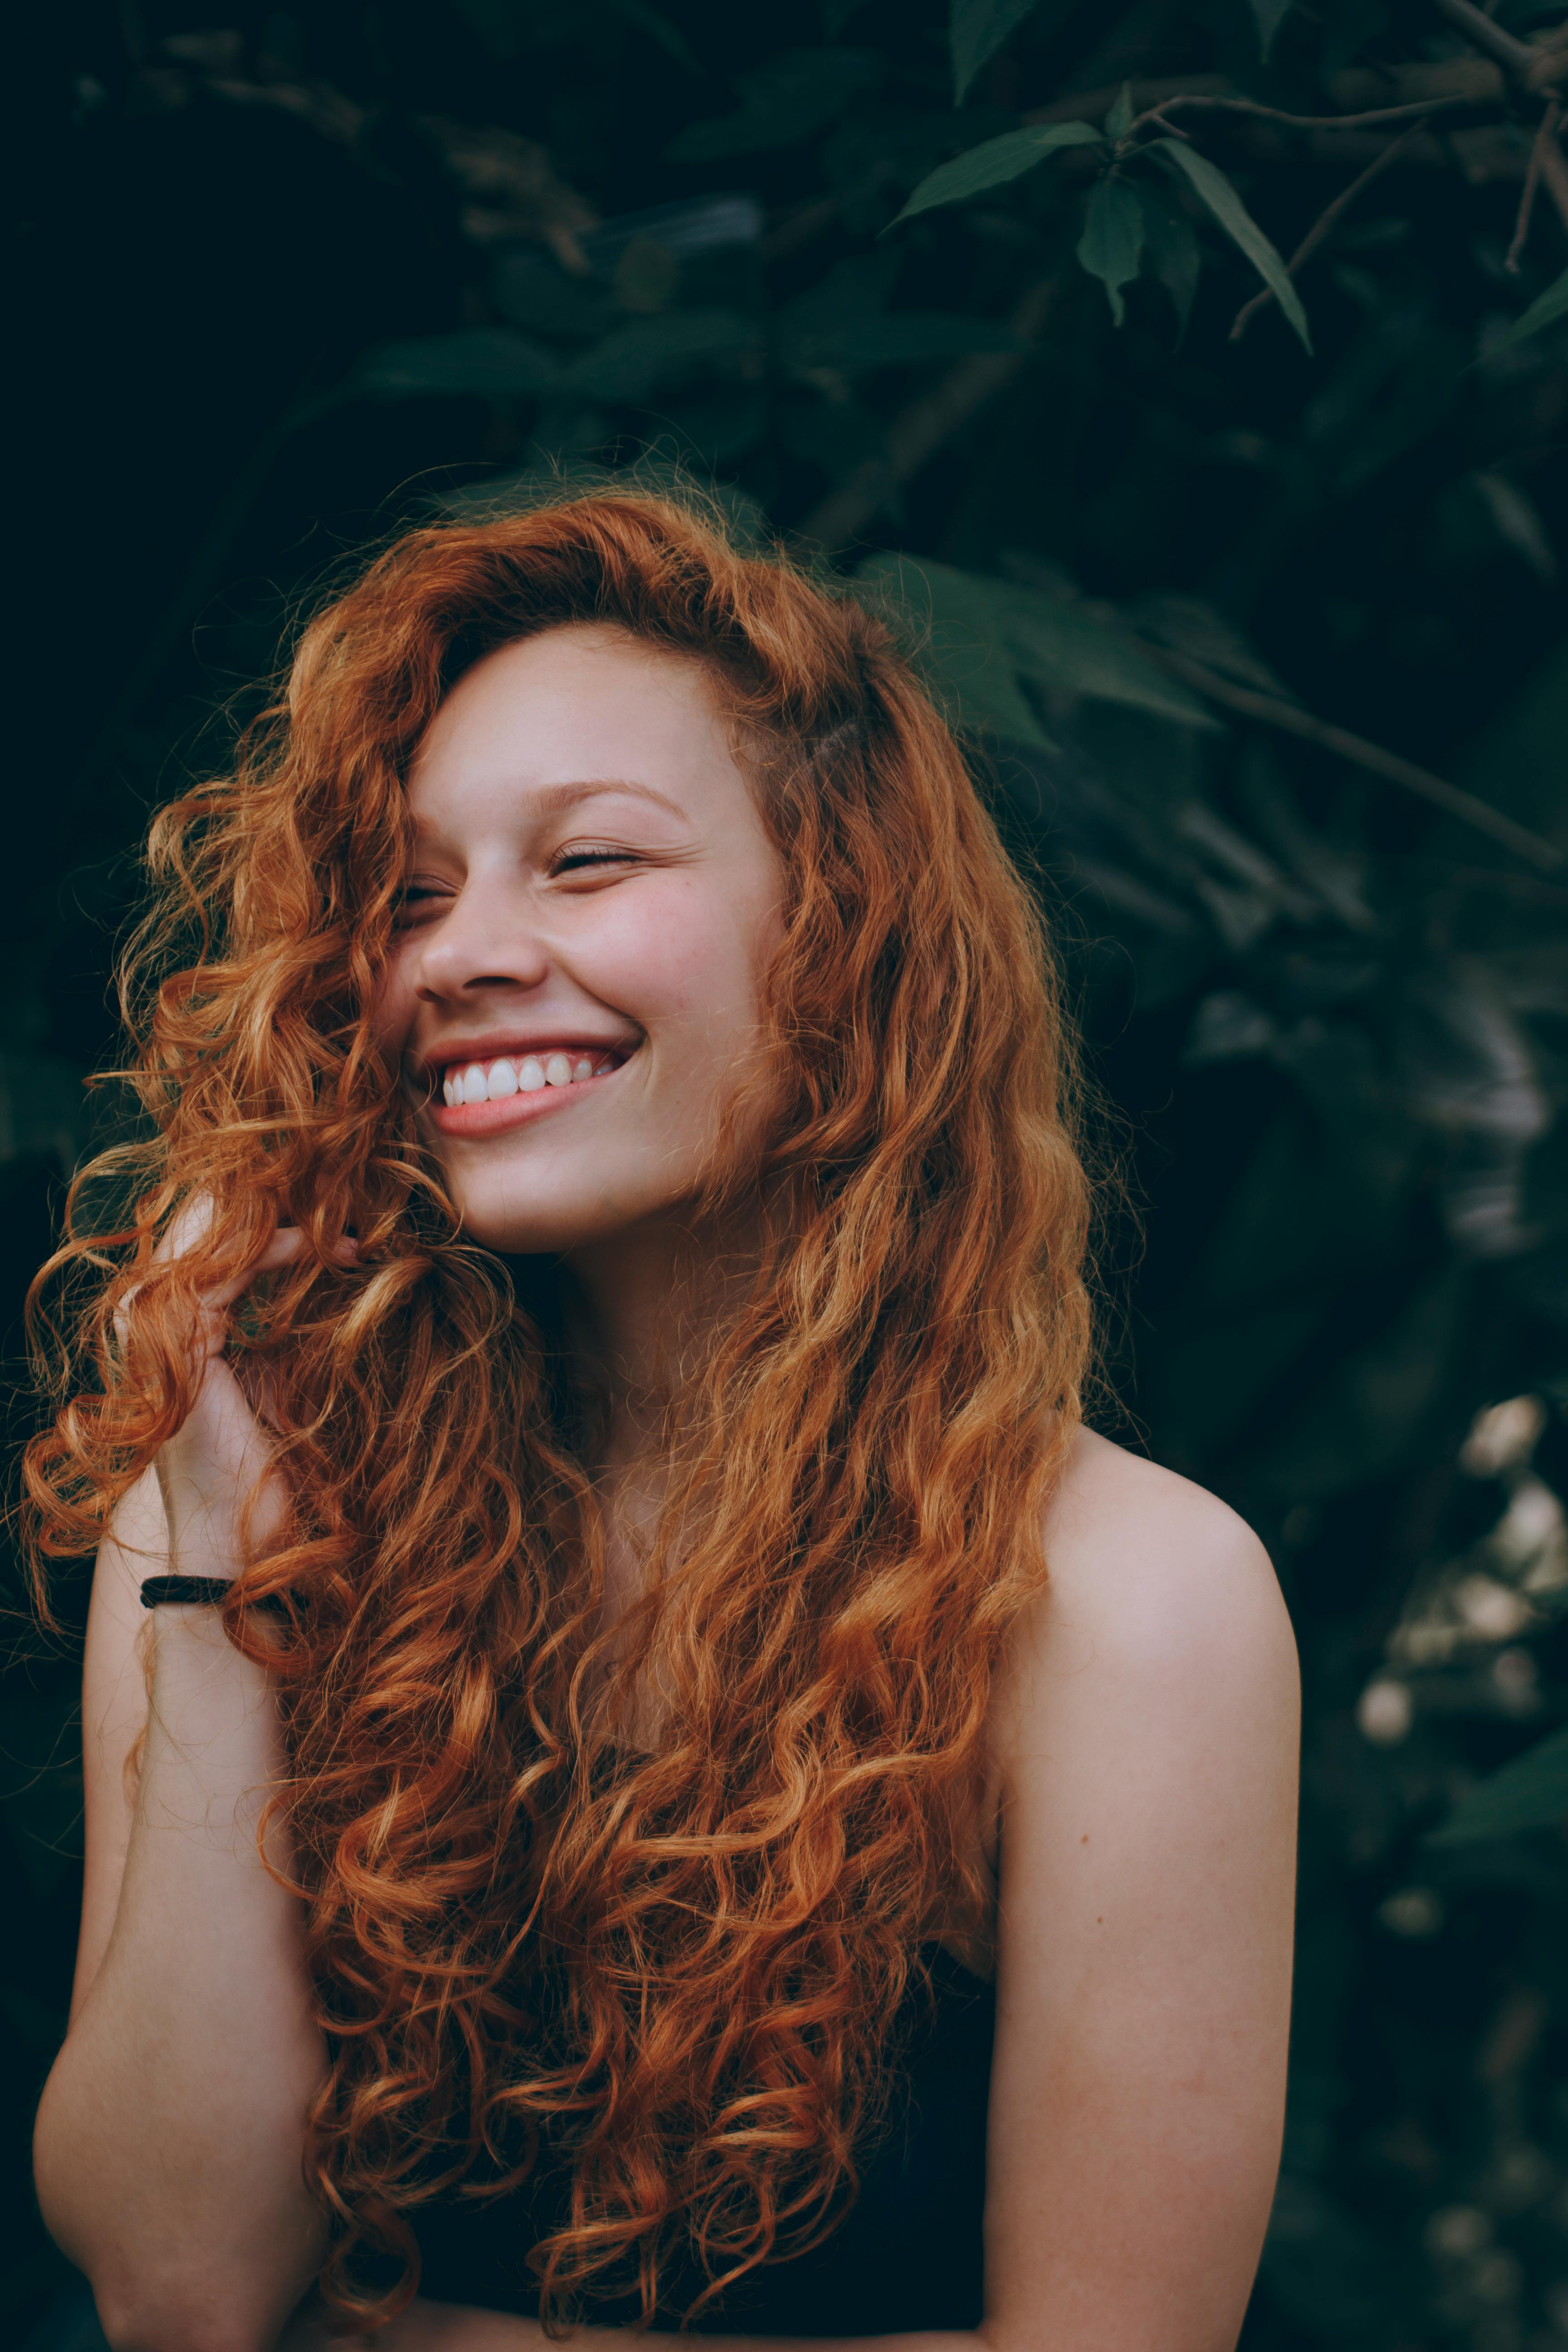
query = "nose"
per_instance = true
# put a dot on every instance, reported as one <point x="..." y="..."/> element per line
<point x="486" y="941"/>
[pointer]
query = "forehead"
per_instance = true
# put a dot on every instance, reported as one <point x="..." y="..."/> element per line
<point x="574" y="704"/>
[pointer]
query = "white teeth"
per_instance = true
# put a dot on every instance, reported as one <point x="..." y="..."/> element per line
<point x="478" y="1081"/>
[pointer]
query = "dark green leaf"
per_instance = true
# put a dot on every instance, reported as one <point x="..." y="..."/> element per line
<point x="963" y="638"/>
<point x="488" y="360"/>
<point x="785" y="101"/>
<point x="1530" y="1793"/>
<point x="658" y="28"/>
<point x="1112" y="239"/>
<point x="1072" y="650"/>
<point x="1171" y="244"/>
<point x="1118" y="122"/>
<point x="1223" y="202"/>
<point x="1269" y="15"/>
<point x="902" y="337"/>
<point x="994" y="162"/>
<point x="977" y="31"/>
<point x="632" y="362"/>
<point x="1544" y="312"/>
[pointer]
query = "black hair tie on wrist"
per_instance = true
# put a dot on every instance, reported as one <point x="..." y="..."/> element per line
<point x="202" y="1591"/>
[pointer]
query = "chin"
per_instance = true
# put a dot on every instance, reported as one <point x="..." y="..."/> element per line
<point x="549" y="1223"/>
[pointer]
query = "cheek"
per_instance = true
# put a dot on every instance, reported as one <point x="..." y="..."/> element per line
<point x="393" y="1009"/>
<point x="687" y="964"/>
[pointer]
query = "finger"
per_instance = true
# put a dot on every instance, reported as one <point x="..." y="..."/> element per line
<point x="186" y="1229"/>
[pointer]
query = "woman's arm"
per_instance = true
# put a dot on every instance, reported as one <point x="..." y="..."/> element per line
<point x="168" y="2142"/>
<point x="1146" y="1733"/>
<point x="1148" y="1737"/>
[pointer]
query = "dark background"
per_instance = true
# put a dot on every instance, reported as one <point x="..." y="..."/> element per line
<point x="290" y="281"/>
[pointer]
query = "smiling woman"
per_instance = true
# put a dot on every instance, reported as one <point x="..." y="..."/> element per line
<point x="593" y="944"/>
<point x="705" y="1794"/>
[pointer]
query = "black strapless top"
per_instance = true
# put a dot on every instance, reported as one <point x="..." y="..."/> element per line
<point x="907" y="2255"/>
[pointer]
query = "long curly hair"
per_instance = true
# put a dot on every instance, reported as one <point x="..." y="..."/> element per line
<point x="681" y="1969"/>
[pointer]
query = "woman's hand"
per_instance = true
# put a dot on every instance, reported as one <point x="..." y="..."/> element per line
<point x="216" y="1460"/>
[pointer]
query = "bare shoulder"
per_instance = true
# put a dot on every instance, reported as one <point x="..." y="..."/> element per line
<point x="1158" y="1593"/>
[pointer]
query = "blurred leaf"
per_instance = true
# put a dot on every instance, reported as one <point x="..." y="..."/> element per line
<point x="636" y="360"/>
<point x="964" y="639"/>
<point x="1269" y="15"/>
<point x="1218" y="193"/>
<point x="785" y="101"/>
<point x="659" y="29"/>
<point x="1112" y="239"/>
<point x="977" y="31"/>
<point x="1118" y="120"/>
<point x="1544" y="312"/>
<point x="900" y="338"/>
<point x="493" y="361"/>
<point x="834" y="435"/>
<point x="1072" y="651"/>
<point x="1337" y="878"/>
<point x="647" y="276"/>
<point x="1227" y="1027"/>
<point x="531" y="289"/>
<point x="1517" y="521"/>
<point x="1173" y="252"/>
<point x="993" y="163"/>
<point x="1370" y="1412"/>
<point x="854" y="288"/>
<point x="1190" y="626"/>
<point x="1530" y="1793"/>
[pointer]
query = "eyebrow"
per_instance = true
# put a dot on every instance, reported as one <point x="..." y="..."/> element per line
<point x="555" y="799"/>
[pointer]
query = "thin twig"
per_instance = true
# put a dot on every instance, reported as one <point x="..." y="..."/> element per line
<point x="1534" y="65"/>
<point x="1545" y="131"/>
<point x="1378" y="115"/>
<point x="1512" y="53"/>
<point x="1324" y="223"/>
<point x="918" y="432"/>
<point x="1291" y="720"/>
<point x="1553" y="170"/>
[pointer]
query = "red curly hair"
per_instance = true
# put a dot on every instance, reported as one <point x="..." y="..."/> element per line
<point x="683" y="1967"/>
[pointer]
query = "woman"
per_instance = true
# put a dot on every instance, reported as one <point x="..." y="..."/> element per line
<point x="670" y="1680"/>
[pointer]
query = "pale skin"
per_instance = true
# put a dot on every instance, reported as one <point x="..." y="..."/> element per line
<point x="594" y="877"/>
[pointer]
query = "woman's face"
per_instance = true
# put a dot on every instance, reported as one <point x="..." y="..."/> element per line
<point x="575" y="989"/>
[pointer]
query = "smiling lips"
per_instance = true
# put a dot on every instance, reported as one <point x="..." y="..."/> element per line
<point x="481" y="1095"/>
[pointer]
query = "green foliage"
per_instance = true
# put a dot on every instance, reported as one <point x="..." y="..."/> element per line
<point x="1530" y="1793"/>
<point x="1217" y="193"/>
<point x="993" y="164"/>
<point x="1111" y="245"/>
<point x="1269" y="15"/>
<point x="978" y="30"/>
<point x="1544" y="312"/>
<point x="1216" y="619"/>
<point x="783" y="102"/>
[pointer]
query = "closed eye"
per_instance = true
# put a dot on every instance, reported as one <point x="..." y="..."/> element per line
<point x="416" y="898"/>
<point x="585" y="858"/>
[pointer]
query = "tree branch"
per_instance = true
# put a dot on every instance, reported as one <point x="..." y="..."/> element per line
<point x="1513" y="55"/>
<point x="1554" y="169"/>
<point x="918" y="431"/>
<point x="1374" y="118"/>
<point x="1270" y="711"/>
<point x="1324" y="223"/>
<point x="1534" y="66"/>
<point x="1545" y="132"/>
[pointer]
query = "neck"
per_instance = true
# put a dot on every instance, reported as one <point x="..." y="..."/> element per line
<point x="650" y="1299"/>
